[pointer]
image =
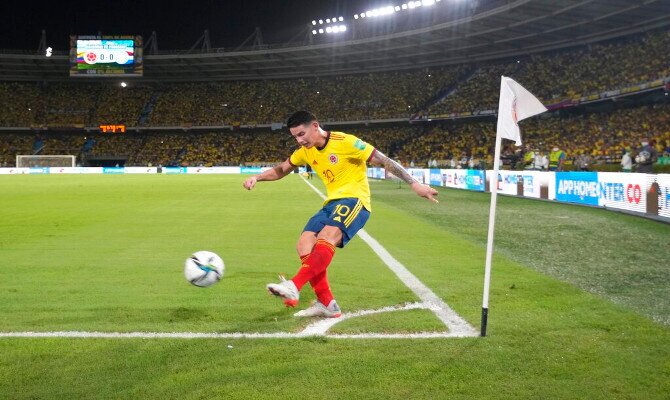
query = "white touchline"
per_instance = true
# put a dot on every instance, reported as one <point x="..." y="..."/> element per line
<point x="453" y="321"/>
<point x="316" y="329"/>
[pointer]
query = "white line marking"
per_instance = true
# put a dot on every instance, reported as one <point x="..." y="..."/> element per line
<point x="456" y="324"/>
<point x="196" y="335"/>
<point x="317" y="329"/>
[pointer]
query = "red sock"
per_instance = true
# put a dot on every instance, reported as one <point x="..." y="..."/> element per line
<point x="315" y="264"/>
<point x="320" y="285"/>
<point x="322" y="288"/>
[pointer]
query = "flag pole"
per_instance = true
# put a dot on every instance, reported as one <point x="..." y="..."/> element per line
<point x="493" y="186"/>
<point x="516" y="103"/>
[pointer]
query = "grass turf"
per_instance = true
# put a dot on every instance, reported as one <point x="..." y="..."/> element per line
<point x="106" y="252"/>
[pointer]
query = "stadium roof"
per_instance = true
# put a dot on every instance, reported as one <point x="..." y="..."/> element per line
<point x="505" y="29"/>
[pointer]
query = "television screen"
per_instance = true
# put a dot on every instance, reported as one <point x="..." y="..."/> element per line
<point x="106" y="56"/>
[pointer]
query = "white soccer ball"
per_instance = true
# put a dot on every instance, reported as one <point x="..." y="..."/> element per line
<point x="203" y="268"/>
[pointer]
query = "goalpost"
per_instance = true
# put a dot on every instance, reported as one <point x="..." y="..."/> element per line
<point x="37" y="161"/>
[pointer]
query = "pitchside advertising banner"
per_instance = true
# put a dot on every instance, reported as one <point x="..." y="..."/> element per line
<point x="622" y="191"/>
<point x="644" y="193"/>
<point x="534" y="184"/>
<point x="577" y="187"/>
<point x="658" y="195"/>
<point x="212" y="170"/>
<point x="617" y="190"/>
<point x="469" y="179"/>
<point x="376" y="173"/>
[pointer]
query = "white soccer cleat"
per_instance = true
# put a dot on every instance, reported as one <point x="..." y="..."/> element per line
<point x="317" y="309"/>
<point x="285" y="289"/>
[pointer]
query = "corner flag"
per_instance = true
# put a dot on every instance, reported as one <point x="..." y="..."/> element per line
<point x="516" y="104"/>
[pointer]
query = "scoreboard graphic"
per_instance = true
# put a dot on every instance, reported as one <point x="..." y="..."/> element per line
<point x="101" y="56"/>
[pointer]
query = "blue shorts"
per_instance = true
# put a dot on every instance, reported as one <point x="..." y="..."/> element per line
<point x="348" y="214"/>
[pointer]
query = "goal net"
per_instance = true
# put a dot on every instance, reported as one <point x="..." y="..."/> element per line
<point x="45" y="161"/>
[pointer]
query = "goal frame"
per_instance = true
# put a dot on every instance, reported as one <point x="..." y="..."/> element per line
<point x="24" y="160"/>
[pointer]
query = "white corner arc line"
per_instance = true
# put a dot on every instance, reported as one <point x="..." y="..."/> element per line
<point x="453" y="321"/>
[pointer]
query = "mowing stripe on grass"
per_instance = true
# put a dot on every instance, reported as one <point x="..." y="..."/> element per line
<point x="449" y="317"/>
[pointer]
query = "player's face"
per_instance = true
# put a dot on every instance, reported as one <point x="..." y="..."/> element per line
<point x="307" y="135"/>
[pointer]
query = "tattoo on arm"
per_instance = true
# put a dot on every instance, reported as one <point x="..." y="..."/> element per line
<point x="392" y="166"/>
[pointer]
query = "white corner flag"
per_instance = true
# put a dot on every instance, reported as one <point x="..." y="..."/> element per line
<point x="516" y="104"/>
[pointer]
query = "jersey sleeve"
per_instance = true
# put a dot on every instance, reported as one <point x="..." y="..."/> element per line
<point x="357" y="148"/>
<point x="297" y="159"/>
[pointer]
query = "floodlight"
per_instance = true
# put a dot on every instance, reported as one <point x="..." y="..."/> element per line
<point x="49" y="51"/>
<point x="314" y="32"/>
<point x="368" y="13"/>
<point x="320" y="22"/>
<point x="329" y="29"/>
<point x="343" y="28"/>
<point x="328" y="20"/>
<point x="336" y="29"/>
<point x="404" y="6"/>
<point x="123" y="84"/>
<point x="341" y="19"/>
<point x="397" y="8"/>
<point x="427" y="2"/>
<point x="313" y="22"/>
<point x="320" y="30"/>
<point x="362" y="15"/>
<point x="355" y="16"/>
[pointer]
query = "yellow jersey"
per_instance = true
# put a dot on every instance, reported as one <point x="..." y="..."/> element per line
<point x="341" y="164"/>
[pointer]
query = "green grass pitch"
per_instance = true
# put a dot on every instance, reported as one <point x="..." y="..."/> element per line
<point x="579" y="307"/>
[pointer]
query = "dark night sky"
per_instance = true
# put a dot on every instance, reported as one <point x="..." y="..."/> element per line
<point x="178" y="24"/>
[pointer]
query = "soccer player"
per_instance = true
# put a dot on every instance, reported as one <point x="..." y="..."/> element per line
<point x="340" y="161"/>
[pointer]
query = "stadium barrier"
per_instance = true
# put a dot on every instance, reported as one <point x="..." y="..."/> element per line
<point x="647" y="194"/>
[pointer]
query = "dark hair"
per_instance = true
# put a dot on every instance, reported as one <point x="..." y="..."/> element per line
<point x="300" y="118"/>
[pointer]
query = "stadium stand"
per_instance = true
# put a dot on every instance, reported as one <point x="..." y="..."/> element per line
<point x="61" y="117"/>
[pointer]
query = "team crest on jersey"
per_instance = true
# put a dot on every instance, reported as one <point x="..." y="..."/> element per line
<point x="333" y="158"/>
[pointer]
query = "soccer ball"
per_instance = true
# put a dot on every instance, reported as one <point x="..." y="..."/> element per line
<point x="203" y="268"/>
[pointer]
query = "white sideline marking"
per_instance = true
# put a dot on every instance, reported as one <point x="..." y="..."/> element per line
<point x="317" y="329"/>
<point x="457" y="325"/>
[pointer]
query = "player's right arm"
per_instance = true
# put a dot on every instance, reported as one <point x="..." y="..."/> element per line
<point x="392" y="166"/>
<point x="277" y="172"/>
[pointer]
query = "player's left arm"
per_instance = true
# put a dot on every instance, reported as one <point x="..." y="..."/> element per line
<point x="380" y="159"/>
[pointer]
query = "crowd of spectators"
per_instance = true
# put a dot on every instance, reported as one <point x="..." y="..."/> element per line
<point x="392" y="96"/>
<point x="562" y="75"/>
<point x="602" y="136"/>
<point x="552" y="76"/>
